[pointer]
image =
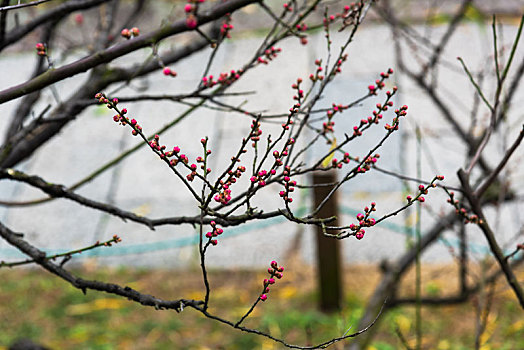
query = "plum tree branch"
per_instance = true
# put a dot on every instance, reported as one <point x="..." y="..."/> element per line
<point x="118" y="50"/>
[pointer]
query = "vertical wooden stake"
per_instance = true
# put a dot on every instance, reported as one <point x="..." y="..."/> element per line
<point x="328" y="249"/>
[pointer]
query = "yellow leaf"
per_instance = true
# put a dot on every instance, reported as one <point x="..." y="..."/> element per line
<point x="515" y="327"/>
<point x="326" y="163"/>
<point x="268" y="344"/>
<point x="99" y="304"/>
<point x="109" y="304"/>
<point x="443" y="345"/>
<point x="403" y="323"/>
<point x="196" y="295"/>
<point x="491" y="326"/>
<point x="287" y="292"/>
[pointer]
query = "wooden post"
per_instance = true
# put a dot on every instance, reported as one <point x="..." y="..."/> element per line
<point x="328" y="249"/>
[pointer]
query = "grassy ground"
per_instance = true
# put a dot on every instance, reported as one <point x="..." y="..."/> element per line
<point x="37" y="305"/>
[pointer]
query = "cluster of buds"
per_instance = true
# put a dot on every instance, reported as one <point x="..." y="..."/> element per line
<point x="134" y="124"/>
<point x="174" y="153"/>
<point x="191" y="176"/>
<point x="302" y="27"/>
<point x="120" y="117"/>
<point x="278" y="157"/>
<point x="400" y="113"/>
<point x="155" y="145"/>
<point x="274" y="271"/>
<point x="368" y="163"/>
<point x="288" y="7"/>
<point x="261" y="177"/>
<point x="226" y="27"/>
<point x="41" y="49"/>
<point x="224" y="196"/>
<point x="329" y="124"/>
<point x="328" y="127"/>
<point x="202" y="160"/>
<point x="129" y="33"/>
<point x="365" y="123"/>
<point x="335" y="163"/>
<point x="357" y="129"/>
<point x="462" y="212"/>
<point x="182" y="158"/>
<point x="292" y="111"/>
<point x="169" y="72"/>
<point x="217" y="231"/>
<point x="190" y="9"/>
<point x="423" y="190"/>
<point x="114" y="240"/>
<point x="350" y="14"/>
<point x="255" y="132"/>
<point x="318" y="71"/>
<point x="363" y="221"/>
<point x="338" y="64"/>
<point x="269" y="55"/>
<point x="288" y="186"/>
<point x="300" y="92"/>
<point x="379" y="83"/>
<point x="226" y="78"/>
<point x="377" y="114"/>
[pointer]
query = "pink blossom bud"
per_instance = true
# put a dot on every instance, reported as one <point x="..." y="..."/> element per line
<point x="79" y="19"/>
<point x="191" y="22"/>
<point x="125" y="33"/>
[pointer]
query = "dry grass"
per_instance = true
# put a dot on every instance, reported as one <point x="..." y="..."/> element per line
<point x="37" y="305"/>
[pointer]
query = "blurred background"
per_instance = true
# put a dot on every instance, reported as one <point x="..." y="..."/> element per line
<point x="426" y="145"/>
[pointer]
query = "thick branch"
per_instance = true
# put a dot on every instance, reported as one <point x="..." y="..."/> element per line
<point x="25" y="142"/>
<point x="493" y="176"/>
<point x="58" y="12"/>
<point x="19" y="6"/>
<point x="119" y="50"/>
<point x="82" y="284"/>
<point x="490" y="236"/>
